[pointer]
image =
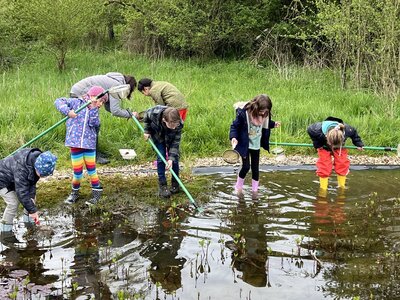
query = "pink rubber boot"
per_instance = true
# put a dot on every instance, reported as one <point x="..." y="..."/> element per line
<point x="239" y="185"/>
<point x="254" y="186"/>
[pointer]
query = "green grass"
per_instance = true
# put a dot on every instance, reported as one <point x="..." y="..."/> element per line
<point x="300" y="97"/>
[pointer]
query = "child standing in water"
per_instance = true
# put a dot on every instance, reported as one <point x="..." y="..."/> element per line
<point x="249" y="132"/>
<point x="329" y="138"/>
<point x="81" y="138"/>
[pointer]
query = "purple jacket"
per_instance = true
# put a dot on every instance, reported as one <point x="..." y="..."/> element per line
<point x="81" y="131"/>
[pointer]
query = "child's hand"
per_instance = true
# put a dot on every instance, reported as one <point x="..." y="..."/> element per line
<point x="169" y="165"/>
<point x="146" y="136"/>
<point x="35" y="218"/>
<point x="277" y="124"/>
<point x="72" y="114"/>
<point x="234" y="143"/>
<point x="360" y="148"/>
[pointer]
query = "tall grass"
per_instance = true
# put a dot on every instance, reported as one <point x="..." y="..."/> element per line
<point x="301" y="97"/>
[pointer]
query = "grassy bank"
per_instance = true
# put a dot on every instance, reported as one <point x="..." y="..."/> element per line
<point x="300" y="97"/>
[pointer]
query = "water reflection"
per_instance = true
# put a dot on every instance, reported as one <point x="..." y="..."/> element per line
<point x="249" y="244"/>
<point x="291" y="242"/>
<point x="86" y="260"/>
<point x="162" y="250"/>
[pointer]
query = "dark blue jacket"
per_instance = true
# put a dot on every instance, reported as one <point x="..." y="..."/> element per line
<point x="319" y="139"/>
<point x="240" y="131"/>
<point x="17" y="173"/>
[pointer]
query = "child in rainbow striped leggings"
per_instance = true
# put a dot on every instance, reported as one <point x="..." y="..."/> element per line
<point x="81" y="138"/>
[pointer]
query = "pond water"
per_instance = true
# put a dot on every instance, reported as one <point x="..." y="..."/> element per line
<point x="287" y="242"/>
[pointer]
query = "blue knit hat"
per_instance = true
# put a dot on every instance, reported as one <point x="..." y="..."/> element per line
<point x="45" y="163"/>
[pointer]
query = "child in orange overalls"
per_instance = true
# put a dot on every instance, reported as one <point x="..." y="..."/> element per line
<point x="329" y="138"/>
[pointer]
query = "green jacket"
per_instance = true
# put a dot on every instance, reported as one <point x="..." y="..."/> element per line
<point x="164" y="93"/>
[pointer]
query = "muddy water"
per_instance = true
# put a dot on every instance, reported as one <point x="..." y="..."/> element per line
<point x="287" y="242"/>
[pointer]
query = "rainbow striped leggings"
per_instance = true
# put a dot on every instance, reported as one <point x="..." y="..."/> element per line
<point x="84" y="157"/>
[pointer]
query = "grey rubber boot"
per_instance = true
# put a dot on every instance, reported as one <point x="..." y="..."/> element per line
<point x="27" y="219"/>
<point x="163" y="191"/>
<point x="96" y="195"/>
<point x="6" y="227"/>
<point x="72" y="197"/>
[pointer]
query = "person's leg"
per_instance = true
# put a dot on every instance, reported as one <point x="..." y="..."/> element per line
<point x="100" y="158"/>
<point x="183" y="113"/>
<point x="89" y="158"/>
<point x="255" y="169"/>
<point x="174" y="183"/>
<point x="11" y="200"/>
<point x="341" y="165"/>
<point x="242" y="174"/>
<point x="324" y="167"/>
<point x="162" y="180"/>
<point x="77" y="166"/>
<point x="27" y="219"/>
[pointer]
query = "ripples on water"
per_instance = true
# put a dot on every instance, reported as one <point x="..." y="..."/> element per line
<point x="289" y="242"/>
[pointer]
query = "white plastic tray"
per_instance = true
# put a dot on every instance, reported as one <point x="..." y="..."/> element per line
<point x="127" y="153"/>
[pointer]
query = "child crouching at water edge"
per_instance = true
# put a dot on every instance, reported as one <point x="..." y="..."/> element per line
<point x="19" y="174"/>
<point x="329" y="138"/>
<point x="248" y="133"/>
<point x="164" y="125"/>
<point x="81" y="135"/>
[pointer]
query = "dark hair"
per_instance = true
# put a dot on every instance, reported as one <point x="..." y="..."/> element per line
<point x="132" y="83"/>
<point x="257" y="104"/>
<point x="144" y="82"/>
<point x="171" y="115"/>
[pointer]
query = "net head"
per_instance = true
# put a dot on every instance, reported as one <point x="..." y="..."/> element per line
<point x="277" y="151"/>
<point x="231" y="156"/>
<point x="398" y="150"/>
<point x="120" y="91"/>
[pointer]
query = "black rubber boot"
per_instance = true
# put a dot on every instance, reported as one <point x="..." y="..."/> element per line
<point x="72" y="197"/>
<point x="96" y="195"/>
<point x="163" y="191"/>
<point x="174" y="187"/>
<point x="100" y="157"/>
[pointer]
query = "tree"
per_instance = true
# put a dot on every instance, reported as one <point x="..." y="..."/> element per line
<point x="58" y="23"/>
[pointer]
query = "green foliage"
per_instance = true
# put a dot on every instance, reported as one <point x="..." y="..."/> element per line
<point x="302" y="97"/>
<point x="365" y="37"/>
<point x="203" y="28"/>
<point x="55" y="23"/>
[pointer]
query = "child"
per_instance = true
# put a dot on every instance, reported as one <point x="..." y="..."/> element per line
<point x="81" y="138"/>
<point x="19" y="174"/>
<point x="249" y="132"/>
<point x="164" y="125"/>
<point x="329" y="138"/>
<point x="164" y="93"/>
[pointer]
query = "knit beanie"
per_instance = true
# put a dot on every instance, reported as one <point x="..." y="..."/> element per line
<point x="94" y="91"/>
<point x="45" y="163"/>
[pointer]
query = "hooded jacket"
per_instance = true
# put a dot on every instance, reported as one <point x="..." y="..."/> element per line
<point x="17" y="173"/>
<point x="81" y="131"/>
<point x="240" y="131"/>
<point x="319" y="139"/>
<point x="109" y="80"/>
<point x="160" y="133"/>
